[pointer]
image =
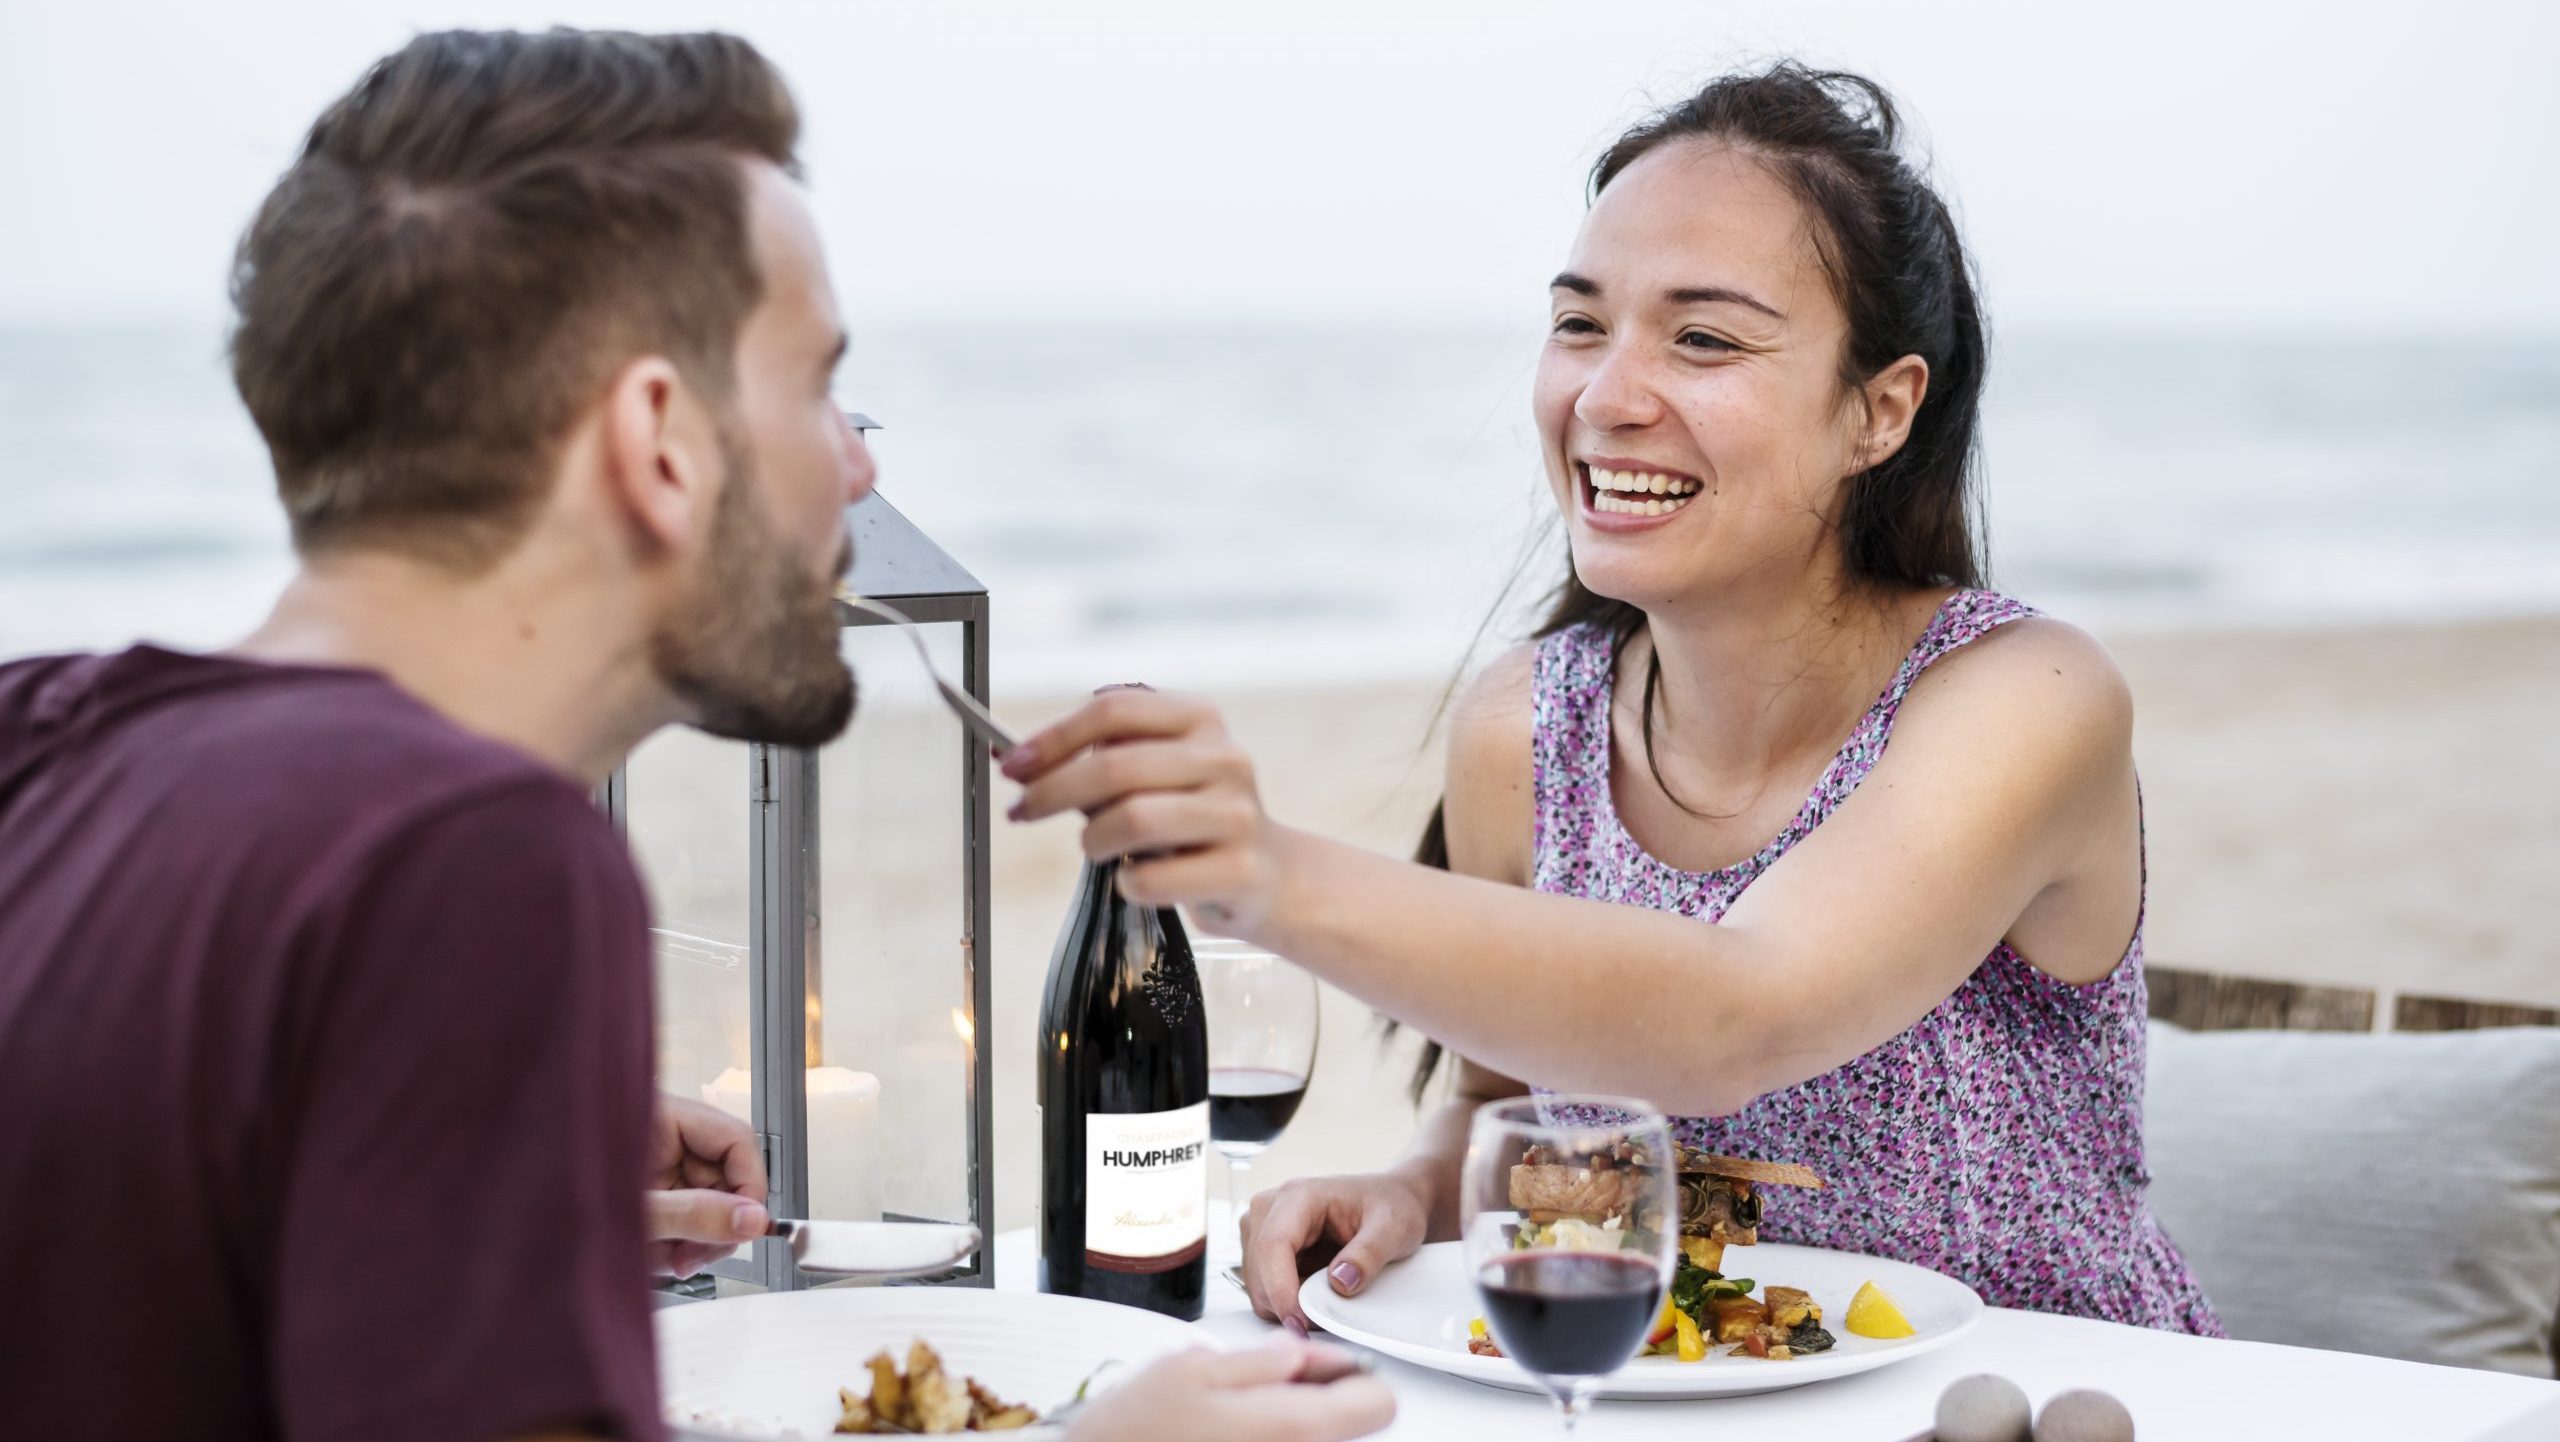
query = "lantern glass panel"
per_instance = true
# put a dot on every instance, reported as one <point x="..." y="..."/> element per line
<point x="687" y="816"/>
<point x="889" y="1126"/>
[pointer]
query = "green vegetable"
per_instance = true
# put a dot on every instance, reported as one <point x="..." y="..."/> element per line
<point x="1692" y="1286"/>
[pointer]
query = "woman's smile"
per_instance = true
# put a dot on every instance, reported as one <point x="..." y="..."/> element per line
<point x="1627" y="495"/>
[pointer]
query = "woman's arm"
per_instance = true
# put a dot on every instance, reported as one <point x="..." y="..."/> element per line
<point x="1354" y="1226"/>
<point x="2002" y="756"/>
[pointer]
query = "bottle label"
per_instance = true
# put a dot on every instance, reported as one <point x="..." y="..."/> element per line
<point x="1146" y="1196"/>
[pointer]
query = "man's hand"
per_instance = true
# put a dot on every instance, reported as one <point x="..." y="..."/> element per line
<point x="707" y="1187"/>
<point x="1285" y="1392"/>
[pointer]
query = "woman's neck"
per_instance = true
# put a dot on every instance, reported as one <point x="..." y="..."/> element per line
<point x="1751" y="684"/>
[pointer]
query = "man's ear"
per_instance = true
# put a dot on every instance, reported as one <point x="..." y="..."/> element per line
<point x="661" y="456"/>
<point x="1893" y="397"/>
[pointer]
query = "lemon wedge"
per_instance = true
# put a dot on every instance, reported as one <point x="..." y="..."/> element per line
<point x="1873" y="1314"/>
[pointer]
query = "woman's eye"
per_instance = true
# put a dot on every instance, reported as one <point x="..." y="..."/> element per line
<point x="1576" y="325"/>
<point x="1703" y="340"/>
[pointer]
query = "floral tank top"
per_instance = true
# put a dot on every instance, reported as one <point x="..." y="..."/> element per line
<point x="1998" y="1140"/>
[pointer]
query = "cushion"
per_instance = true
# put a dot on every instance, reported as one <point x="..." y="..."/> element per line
<point x="2395" y="1193"/>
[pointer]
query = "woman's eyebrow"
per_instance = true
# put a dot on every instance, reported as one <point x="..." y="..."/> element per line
<point x="1720" y="295"/>
<point x="1680" y="295"/>
<point x="1586" y="287"/>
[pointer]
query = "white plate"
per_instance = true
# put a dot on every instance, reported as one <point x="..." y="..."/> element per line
<point x="1418" y="1311"/>
<point x="768" y="1366"/>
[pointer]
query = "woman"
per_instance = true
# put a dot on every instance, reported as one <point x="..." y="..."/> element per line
<point x="1757" y="404"/>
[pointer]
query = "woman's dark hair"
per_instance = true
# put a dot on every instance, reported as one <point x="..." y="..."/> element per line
<point x="1898" y="269"/>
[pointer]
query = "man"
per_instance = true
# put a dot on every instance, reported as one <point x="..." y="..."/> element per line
<point x="324" y="1023"/>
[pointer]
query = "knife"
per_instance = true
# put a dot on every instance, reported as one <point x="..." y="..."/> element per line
<point x="875" y="1249"/>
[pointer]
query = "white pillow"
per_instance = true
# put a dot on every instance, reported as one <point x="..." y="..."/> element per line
<point x="2395" y="1194"/>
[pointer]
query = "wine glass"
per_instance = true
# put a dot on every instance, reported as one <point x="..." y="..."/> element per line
<point x="1262" y="1049"/>
<point x="1567" y="1207"/>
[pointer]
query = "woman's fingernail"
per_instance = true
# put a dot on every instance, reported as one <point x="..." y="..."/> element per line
<point x="1346" y="1277"/>
<point x="1017" y="762"/>
<point x="1015" y="811"/>
<point x="749" y="1219"/>
<point x="1296" y="1328"/>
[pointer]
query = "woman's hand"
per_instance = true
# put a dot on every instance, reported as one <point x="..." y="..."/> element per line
<point x="1159" y="782"/>
<point x="1351" y="1226"/>
<point x="1286" y="1392"/>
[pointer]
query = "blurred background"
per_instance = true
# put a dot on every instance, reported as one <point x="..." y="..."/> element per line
<point x="1203" y="336"/>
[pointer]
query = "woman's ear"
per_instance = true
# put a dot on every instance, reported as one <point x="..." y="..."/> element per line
<point x="660" y="457"/>
<point x="1893" y="396"/>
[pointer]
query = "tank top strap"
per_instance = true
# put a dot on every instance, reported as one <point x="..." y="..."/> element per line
<point x="1966" y="617"/>
<point x="1571" y="686"/>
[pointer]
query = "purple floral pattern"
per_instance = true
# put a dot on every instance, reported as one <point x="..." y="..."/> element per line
<point x="1998" y="1140"/>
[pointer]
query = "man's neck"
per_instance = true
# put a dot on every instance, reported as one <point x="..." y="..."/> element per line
<point x="528" y="654"/>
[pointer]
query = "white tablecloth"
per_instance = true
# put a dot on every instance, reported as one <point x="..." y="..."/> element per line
<point x="2178" y="1387"/>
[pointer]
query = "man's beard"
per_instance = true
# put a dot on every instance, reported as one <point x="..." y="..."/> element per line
<point x="757" y="655"/>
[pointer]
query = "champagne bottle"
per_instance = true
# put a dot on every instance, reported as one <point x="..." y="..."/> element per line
<point x="1124" y="1107"/>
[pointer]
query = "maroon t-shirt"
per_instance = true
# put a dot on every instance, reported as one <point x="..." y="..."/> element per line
<point x="324" y="1067"/>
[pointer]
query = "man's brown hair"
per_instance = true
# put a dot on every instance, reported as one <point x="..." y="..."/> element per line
<point x="473" y="240"/>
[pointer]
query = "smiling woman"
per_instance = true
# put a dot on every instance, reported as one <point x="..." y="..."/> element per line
<point x="1918" y="971"/>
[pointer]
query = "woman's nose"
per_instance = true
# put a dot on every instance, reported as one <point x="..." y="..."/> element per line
<point x="1617" y="394"/>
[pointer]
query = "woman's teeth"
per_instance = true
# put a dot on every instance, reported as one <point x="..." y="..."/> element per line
<point x="1639" y="493"/>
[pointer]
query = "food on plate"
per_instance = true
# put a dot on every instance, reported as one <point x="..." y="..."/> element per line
<point x="1873" y="1314"/>
<point x="1720" y="1203"/>
<point x="928" y="1398"/>
<point x="1687" y="1341"/>
<point x="1594" y="1201"/>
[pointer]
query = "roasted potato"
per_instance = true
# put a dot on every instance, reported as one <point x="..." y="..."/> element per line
<point x="1733" y="1318"/>
<point x="1790" y="1308"/>
<point x="929" y="1399"/>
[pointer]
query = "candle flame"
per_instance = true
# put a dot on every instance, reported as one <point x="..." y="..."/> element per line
<point x="967" y="1029"/>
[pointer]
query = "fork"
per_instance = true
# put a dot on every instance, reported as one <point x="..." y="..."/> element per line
<point x="972" y="715"/>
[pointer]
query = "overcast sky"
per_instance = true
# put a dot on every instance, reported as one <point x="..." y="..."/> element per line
<point x="2249" y="165"/>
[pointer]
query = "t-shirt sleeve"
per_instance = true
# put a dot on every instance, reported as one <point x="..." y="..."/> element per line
<point x="460" y="1254"/>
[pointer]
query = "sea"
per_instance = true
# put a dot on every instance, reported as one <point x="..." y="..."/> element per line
<point x="1259" y="505"/>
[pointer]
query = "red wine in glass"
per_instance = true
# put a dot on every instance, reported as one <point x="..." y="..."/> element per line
<point x="1248" y="1106"/>
<point x="1569" y="1298"/>
<point x="1571" y="1314"/>
<point x="1263" y="1020"/>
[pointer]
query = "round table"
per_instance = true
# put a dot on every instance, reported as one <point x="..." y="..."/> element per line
<point x="2177" y="1386"/>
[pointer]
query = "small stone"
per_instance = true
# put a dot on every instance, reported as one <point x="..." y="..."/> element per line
<point x="1983" y="1408"/>
<point x="2084" y="1416"/>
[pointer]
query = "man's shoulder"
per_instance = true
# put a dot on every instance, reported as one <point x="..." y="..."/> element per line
<point x="297" y="762"/>
<point x="355" y="764"/>
<point x="332" y="731"/>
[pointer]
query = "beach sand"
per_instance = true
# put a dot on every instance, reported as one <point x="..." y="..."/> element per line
<point x="2373" y="808"/>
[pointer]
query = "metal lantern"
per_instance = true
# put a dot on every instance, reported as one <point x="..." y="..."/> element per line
<point x="821" y="948"/>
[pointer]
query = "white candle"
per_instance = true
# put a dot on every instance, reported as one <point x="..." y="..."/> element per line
<point x="844" y="1135"/>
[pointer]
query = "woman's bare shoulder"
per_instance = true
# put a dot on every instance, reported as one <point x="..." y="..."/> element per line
<point x="2037" y="670"/>
<point x="1490" y="788"/>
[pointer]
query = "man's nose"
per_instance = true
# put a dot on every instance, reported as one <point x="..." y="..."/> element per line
<point x="861" y="473"/>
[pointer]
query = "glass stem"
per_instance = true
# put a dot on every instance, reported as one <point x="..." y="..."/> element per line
<point x="1236" y="1199"/>
<point x="1574" y="1401"/>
